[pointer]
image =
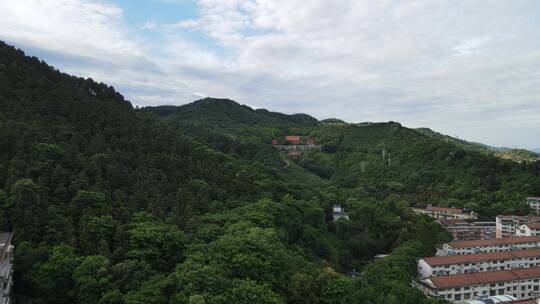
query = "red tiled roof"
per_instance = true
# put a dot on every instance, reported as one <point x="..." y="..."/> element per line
<point x="473" y="258"/>
<point x="503" y="241"/>
<point x="446" y="222"/>
<point x="477" y="278"/>
<point x="519" y="217"/>
<point x="456" y="280"/>
<point x="292" y="138"/>
<point x="524" y="253"/>
<point x="534" y="225"/>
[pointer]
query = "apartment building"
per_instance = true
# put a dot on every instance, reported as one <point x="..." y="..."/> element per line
<point x="532" y="229"/>
<point x="443" y="212"/>
<point x="471" y="263"/>
<point x="534" y="203"/>
<point x="507" y="225"/>
<point x="493" y="245"/>
<point x="6" y="267"/>
<point x="462" y="229"/>
<point x="522" y="283"/>
<point x="507" y="299"/>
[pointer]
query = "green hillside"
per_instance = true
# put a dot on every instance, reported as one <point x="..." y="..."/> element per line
<point x="109" y="204"/>
<point x="382" y="159"/>
<point x="517" y="155"/>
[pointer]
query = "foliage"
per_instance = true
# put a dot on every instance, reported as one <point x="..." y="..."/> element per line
<point x="191" y="204"/>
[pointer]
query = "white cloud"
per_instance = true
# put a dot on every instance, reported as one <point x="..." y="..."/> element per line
<point x="470" y="46"/>
<point x="469" y="68"/>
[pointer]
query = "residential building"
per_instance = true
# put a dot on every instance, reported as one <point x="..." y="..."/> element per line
<point x="531" y="301"/>
<point x="339" y="212"/>
<point x="532" y="229"/>
<point x="507" y="225"/>
<point x="462" y="229"/>
<point x="480" y="262"/>
<point x="507" y="299"/>
<point x="520" y="283"/>
<point x="6" y="267"/>
<point x="449" y="213"/>
<point x="492" y="245"/>
<point x="534" y="203"/>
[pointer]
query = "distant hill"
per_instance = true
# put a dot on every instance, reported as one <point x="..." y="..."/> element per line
<point x="333" y="121"/>
<point x="225" y="113"/>
<point x="517" y="155"/>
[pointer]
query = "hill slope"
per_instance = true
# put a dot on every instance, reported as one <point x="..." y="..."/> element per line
<point x="387" y="158"/>
<point x="110" y="205"/>
<point x="517" y="155"/>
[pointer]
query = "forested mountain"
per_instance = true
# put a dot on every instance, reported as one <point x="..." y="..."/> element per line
<point x="192" y="204"/>
<point x="382" y="159"/>
<point x="110" y="204"/>
<point x="517" y="155"/>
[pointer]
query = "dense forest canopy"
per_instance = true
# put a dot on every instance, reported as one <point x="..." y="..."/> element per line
<point x="192" y="204"/>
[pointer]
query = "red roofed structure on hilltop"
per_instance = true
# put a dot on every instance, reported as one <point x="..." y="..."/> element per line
<point x="293" y="139"/>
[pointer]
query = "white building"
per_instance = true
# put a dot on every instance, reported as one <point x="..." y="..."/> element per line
<point x="493" y="245"/>
<point x="520" y="283"/>
<point x="507" y="225"/>
<point x="339" y="212"/>
<point x="468" y="229"/>
<point x="532" y="229"/>
<point x="450" y="213"/>
<point x="507" y="299"/>
<point x="534" y="203"/>
<point x="6" y="267"/>
<point x="471" y="263"/>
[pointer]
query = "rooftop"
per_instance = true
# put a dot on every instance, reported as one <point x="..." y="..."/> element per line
<point x="463" y="222"/>
<point x="535" y="225"/>
<point x="479" y="257"/>
<point x="491" y="242"/>
<point x="293" y="138"/>
<point x="444" y="209"/>
<point x="518" y="217"/>
<point x="478" y="278"/>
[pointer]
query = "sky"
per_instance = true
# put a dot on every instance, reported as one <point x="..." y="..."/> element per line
<point x="465" y="68"/>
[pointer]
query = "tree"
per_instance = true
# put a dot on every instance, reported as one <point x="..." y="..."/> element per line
<point x="91" y="279"/>
<point x="95" y="230"/>
<point x="248" y="291"/>
<point x="54" y="277"/>
<point x="160" y="245"/>
<point x="26" y="208"/>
